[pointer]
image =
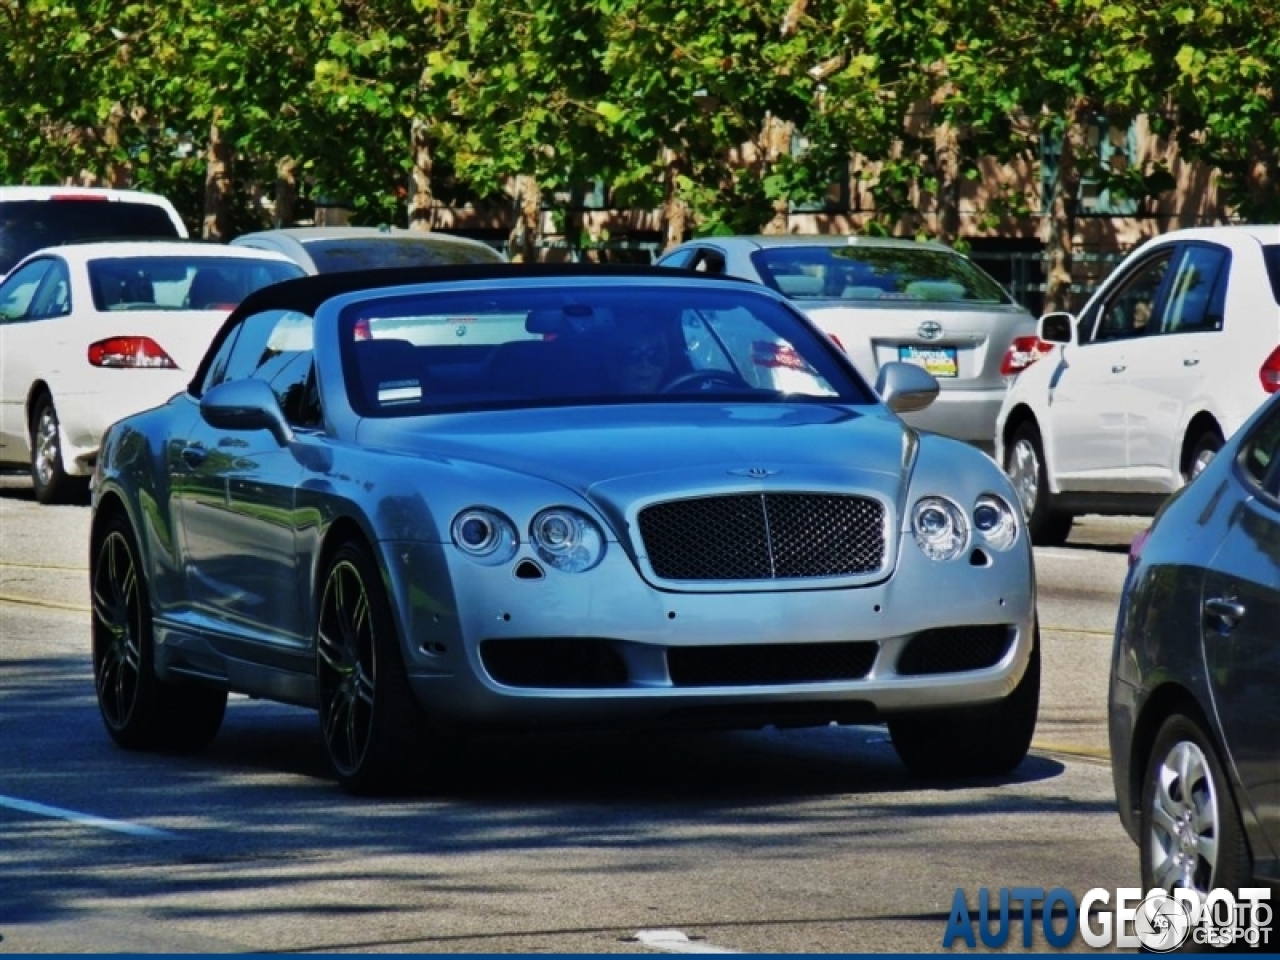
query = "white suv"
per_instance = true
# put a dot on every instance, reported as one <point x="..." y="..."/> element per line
<point x="1171" y="354"/>
<point x="32" y="218"/>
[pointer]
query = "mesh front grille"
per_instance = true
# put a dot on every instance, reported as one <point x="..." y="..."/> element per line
<point x="955" y="649"/>
<point x="769" y="536"/>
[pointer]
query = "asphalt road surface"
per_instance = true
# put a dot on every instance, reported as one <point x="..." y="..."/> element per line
<point x="792" y="841"/>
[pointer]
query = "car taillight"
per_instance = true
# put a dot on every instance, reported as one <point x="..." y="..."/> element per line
<point x="1270" y="372"/>
<point x="80" y="197"/>
<point x="1022" y="353"/>
<point x="129" y="352"/>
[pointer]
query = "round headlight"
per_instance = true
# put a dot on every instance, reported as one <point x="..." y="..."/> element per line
<point x="485" y="535"/>
<point x="566" y="539"/>
<point x="995" y="521"/>
<point x="939" y="528"/>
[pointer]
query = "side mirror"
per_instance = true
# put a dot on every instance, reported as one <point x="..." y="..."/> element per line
<point x="905" y="387"/>
<point x="1057" y="328"/>
<point x="245" y="405"/>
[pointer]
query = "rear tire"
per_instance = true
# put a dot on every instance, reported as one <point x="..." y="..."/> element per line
<point x="1200" y="453"/>
<point x="1024" y="464"/>
<point x="974" y="741"/>
<point x="140" y="711"/>
<point x="49" y="478"/>
<point x="377" y="739"/>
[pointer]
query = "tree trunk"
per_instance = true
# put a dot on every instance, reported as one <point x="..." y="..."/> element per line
<point x="421" y="199"/>
<point x="217" y="185"/>
<point x="119" y="172"/>
<point x="776" y="139"/>
<point x="286" y="204"/>
<point x="1060" y="244"/>
<point x="946" y="145"/>
<point x="522" y="243"/>
<point x="675" y="212"/>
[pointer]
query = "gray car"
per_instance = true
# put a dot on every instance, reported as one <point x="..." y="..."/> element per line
<point x="337" y="249"/>
<point x="432" y="501"/>
<point x="1195" y="683"/>
<point x="890" y="300"/>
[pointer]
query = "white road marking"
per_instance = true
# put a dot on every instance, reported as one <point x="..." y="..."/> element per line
<point x="84" y="819"/>
<point x="673" y="941"/>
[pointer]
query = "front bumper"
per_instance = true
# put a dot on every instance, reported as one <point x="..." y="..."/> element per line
<point x="613" y="607"/>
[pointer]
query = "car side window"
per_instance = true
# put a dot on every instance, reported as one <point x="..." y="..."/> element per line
<point x="1198" y="291"/>
<point x="19" y="290"/>
<point x="275" y="346"/>
<point x="708" y="260"/>
<point x="1129" y="311"/>
<point x="1260" y="455"/>
<point x="679" y="259"/>
<point x="53" y="296"/>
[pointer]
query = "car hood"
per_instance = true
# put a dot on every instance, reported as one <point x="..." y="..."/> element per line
<point x="618" y="455"/>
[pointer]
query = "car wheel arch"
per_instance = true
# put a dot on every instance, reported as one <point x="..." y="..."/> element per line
<point x="38" y="392"/>
<point x="1201" y="425"/>
<point x="1166" y="700"/>
<point x="344" y="529"/>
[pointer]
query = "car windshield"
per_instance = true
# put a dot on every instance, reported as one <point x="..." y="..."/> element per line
<point x="862" y="273"/>
<point x="30" y="225"/>
<point x="407" y="355"/>
<point x="372" y="253"/>
<point x="182" y="283"/>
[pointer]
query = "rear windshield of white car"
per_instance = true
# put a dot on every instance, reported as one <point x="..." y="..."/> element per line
<point x="405" y="356"/>
<point x="182" y="283"/>
<point x="1271" y="255"/>
<point x="339" y="255"/>
<point x="30" y="225"/>
<point x="861" y="274"/>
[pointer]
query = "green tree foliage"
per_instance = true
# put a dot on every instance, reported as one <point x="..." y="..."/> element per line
<point x="719" y="112"/>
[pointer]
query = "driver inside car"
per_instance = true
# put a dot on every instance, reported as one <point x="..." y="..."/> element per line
<point x="642" y="360"/>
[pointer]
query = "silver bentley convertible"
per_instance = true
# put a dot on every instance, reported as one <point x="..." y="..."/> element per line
<point x="433" y="501"/>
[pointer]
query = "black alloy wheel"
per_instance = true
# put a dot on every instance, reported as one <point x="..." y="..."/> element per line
<point x="139" y="710"/>
<point x="374" y="734"/>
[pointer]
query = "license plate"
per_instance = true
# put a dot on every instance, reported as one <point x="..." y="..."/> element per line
<point x="940" y="361"/>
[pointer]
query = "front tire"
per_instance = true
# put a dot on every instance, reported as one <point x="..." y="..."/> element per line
<point x="974" y="741"/>
<point x="1191" y="831"/>
<point x="374" y="734"/>
<point x="1024" y="464"/>
<point x="140" y="711"/>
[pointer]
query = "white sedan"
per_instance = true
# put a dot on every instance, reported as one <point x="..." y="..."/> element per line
<point x="90" y="333"/>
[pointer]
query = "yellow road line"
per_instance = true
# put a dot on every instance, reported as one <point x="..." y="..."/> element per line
<point x="42" y="566"/>
<point x="49" y="604"/>
<point x="1075" y="751"/>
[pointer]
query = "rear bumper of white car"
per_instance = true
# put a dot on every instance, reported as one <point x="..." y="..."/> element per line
<point x="98" y="399"/>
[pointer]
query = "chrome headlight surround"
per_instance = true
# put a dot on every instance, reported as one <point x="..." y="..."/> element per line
<point x="566" y="539"/>
<point x="939" y="528"/>
<point x="995" y="521"/>
<point x="485" y="535"/>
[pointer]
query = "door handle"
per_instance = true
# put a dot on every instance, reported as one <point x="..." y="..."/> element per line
<point x="1119" y="368"/>
<point x="1227" y="611"/>
<point x="194" y="455"/>
<point x="1190" y="361"/>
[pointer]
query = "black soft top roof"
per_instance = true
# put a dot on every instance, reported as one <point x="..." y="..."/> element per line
<point x="305" y="294"/>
